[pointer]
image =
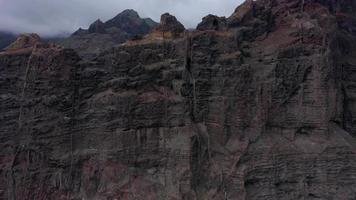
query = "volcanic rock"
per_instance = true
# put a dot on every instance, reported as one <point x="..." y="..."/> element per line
<point x="80" y="31"/>
<point x="97" y="27"/>
<point x="170" y="26"/>
<point x="243" y="12"/>
<point x="130" y="22"/>
<point x="212" y="22"/>
<point x="265" y="109"/>
<point x="101" y="36"/>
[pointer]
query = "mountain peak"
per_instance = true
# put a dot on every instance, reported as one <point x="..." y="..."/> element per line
<point x="170" y="25"/>
<point x="99" y="36"/>
<point x="80" y="31"/>
<point x="212" y="22"/>
<point x="129" y="13"/>
<point x="97" y="27"/>
<point x="130" y="22"/>
<point x="98" y="21"/>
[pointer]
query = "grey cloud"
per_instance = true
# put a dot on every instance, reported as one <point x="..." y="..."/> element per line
<point x="53" y="17"/>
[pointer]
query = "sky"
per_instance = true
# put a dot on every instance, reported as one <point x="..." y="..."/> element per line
<point x="57" y="17"/>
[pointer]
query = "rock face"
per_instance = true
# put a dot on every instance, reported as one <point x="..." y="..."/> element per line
<point x="97" y="27"/>
<point x="170" y="27"/>
<point x="101" y="36"/>
<point x="212" y="22"/>
<point x="262" y="110"/>
<point x="130" y="22"/>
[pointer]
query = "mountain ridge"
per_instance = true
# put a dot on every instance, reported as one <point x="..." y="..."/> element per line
<point x="103" y="35"/>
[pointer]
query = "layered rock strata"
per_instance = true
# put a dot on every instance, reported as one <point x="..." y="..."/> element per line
<point x="262" y="109"/>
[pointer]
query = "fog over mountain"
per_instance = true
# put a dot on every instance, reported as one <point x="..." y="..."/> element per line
<point x="52" y="18"/>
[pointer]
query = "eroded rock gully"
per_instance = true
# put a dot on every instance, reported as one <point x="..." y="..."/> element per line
<point x="260" y="105"/>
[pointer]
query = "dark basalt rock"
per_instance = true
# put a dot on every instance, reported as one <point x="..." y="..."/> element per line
<point x="130" y="22"/>
<point x="97" y="27"/>
<point x="339" y="6"/>
<point x="102" y="36"/>
<point x="80" y="31"/>
<point x="170" y="24"/>
<point x="251" y="112"/>
<point x="212" y="22"/>
<point x="243" y="12"/>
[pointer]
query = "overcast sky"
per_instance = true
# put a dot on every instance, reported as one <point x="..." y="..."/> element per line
<point x="53" y="17"/>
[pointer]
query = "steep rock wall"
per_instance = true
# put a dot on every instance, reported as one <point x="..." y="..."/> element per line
<point x="261" y="110"/>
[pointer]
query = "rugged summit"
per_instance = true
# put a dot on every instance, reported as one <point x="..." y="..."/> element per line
<point x="97" y="27"/>
<point x="100" y="36"/>
<point x="169" y="26"/>
<point x="212" y="22"/>
<point x="130" y="22"/>
<point x="261" y="109"/>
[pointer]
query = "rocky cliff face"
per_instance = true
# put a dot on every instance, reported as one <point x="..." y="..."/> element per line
<point x="260" y="105"/>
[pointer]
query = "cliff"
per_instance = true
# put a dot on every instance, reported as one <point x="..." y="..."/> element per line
<point x="259" y="105"/>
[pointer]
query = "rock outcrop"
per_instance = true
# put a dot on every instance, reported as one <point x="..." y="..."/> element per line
<point x="169" y="27"/>
<point x="24" y="41"/>
<point x="97" y="27"/>
<point x="101" y="36"/>
<point x="212" y="22"/>
<point x="264" y="109"/>
<point x="130" y="22"/>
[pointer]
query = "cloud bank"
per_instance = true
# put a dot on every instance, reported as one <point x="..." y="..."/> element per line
<point x="56" y="17"/>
